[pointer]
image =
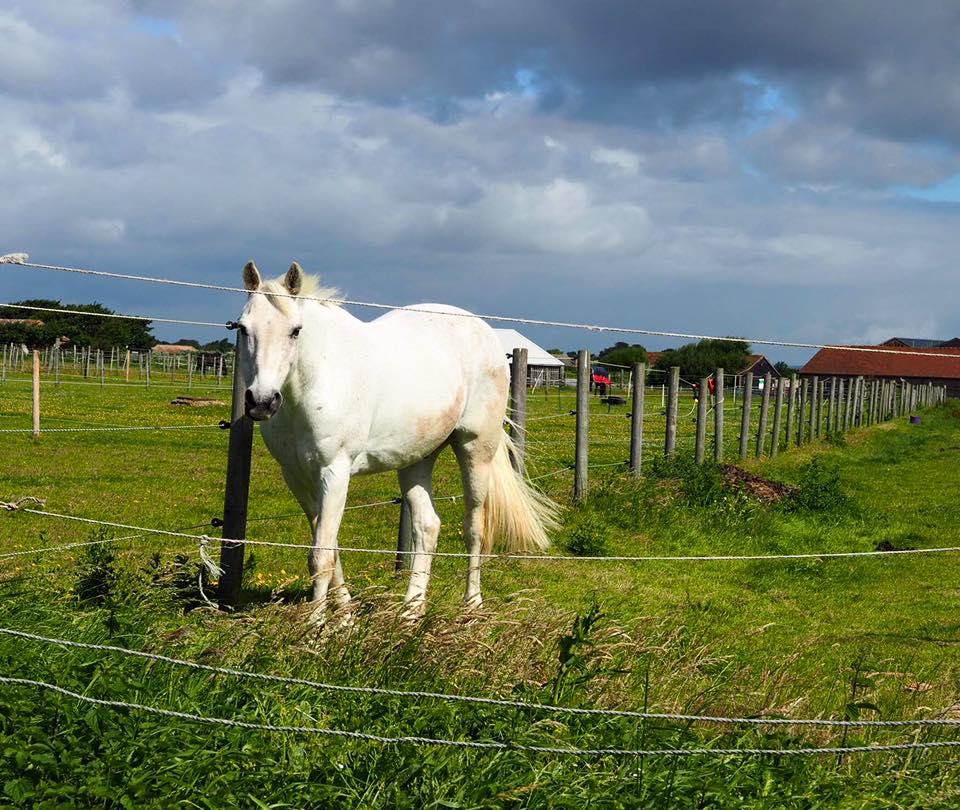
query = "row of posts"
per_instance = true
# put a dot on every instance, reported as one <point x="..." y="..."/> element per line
<point x="815" y="406"/>
<point x="93" y="364"/>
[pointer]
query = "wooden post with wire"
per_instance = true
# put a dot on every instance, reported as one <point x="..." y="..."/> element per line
<point x="36" y="393"/>
<point x="703" y="399"/>
<point x="718" y="402"/>
<point x="518" y="406"/>
<point x="583" y="426"/>
<point x="236" y="492"/>
<point x="791" y="409"/>
<point x="673" y="394"/>
<point x="764" y="411"/>
<point x="636" y="418"/>
<point x="745" y="416"/>
<point x="777" y="419"/>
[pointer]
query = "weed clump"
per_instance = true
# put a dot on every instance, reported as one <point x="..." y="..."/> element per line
<point x="587" y="534"/>
<point x="819" y="490"/>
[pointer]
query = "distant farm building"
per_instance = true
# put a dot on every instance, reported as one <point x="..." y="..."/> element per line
<point x="169" y="348"/>
<point x="914" y="364"/>
<point x="759" y="366"/>
<point x="542" y="367"/>
<point x="914" y="343"/>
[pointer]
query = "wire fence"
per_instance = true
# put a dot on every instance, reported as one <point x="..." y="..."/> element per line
<point x="204" y="540"/>
<point x="22" y="260"/>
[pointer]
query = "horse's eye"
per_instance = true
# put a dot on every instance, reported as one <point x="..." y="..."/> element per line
<point x="295" y="333"/>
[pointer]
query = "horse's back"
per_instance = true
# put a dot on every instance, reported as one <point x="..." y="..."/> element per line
<point x="450" y="374"/>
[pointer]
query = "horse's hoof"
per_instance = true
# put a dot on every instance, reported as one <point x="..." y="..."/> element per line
<point x="343" y="619"/>
<point x="414" y="611"/>
<point x="317" y="617"/>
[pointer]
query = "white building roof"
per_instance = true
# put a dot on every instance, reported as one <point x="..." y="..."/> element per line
<point x="511" y="339"/>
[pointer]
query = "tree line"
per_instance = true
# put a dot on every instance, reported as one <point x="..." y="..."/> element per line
<point x="73" y="328"/>
<point x="696" y="360"/>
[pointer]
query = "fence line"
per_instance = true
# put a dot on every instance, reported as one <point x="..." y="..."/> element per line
<point x="477" y="744"/>
<point x="204" y="540"/>
<point x="21" y="259"/>
<point x="112" y="429"/>
<point x="486" y="701"/>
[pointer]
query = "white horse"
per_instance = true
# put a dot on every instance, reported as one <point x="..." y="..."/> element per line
<point x="338" y="397"/>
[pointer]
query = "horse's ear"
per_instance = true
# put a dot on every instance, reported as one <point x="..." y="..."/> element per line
<point x="251" y="277"/>
<point x="293" y="280"/>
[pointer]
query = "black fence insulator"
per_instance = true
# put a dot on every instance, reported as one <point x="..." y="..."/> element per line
<point x="232" y="324"/>
<point x="216" y="522"/>
<point x="396" y="500"/>
<point x="223" y="424"/>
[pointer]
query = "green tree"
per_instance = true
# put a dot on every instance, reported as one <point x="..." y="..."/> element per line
<point x="623" y="354"/>
<point x="785" y="369"/>
<point x="82" y="330"/>
<point x="701" y="359"/>
<point x="222" y="346"/>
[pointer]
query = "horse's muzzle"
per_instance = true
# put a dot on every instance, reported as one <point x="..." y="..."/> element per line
<point x="263" y="409"/>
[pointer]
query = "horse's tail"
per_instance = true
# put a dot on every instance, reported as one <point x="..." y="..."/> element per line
<point x="516" y="516"/>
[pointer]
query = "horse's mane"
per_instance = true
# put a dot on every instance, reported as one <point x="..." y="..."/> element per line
<point x="309" y="288"/>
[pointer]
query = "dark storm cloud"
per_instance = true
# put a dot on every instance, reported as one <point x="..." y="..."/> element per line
<point x="670" y="62"/>
<point x="719" y="167"/>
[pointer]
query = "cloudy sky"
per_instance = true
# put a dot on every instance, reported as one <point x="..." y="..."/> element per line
<point x="747" y="167"/>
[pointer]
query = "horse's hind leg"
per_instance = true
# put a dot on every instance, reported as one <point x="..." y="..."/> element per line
<point x="474" y="458"/>
<point x="417" y="487"/>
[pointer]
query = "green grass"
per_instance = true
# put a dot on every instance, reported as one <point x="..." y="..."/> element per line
<point x="810" y="638"/>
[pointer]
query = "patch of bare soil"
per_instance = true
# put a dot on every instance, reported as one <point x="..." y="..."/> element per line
<point x="756" y="485"/>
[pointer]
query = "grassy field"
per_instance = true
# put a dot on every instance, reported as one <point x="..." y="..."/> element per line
<point x="873" y="637"/>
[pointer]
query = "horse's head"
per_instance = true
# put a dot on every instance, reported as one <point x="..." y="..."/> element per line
<point x="270" y="324"/>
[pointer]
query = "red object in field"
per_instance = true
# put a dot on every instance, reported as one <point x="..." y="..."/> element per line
<point x="599" y="376"/>
<point x="711" y="384"/>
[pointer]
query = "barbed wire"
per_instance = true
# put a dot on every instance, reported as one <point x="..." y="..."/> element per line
<point x="476" y="744"/>
<point x="21" y="260"/>
<point x="484" y="701"/>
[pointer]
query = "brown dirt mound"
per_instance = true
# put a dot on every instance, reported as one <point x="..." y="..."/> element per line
<point x="756" y="485"/>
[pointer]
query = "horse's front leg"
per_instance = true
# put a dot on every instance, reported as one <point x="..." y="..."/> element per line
<point x="324" y="558"/>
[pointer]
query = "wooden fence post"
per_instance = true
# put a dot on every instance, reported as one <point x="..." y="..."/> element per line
<point x="802" y="412"/>
<point x="702" y="400"/>
<point x="236" y="492"/>
<point x="791" y="407"/>
<point x="745" y="415"/>
<point x="718" y="404"/>
<point x="832" y="406"/>
<point x="36" y="393"/>
<point x="847" y="404"/>
<point x="764" y="409"/>
<point x="580" y="480"/>
<point x="673" y="394"/>
<point x="518" y="405"/>
<point x="3" y="366"/>
<point x="148" y="364"/>
<point x="636" y="418"/>
<point x="777" y="417"/>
